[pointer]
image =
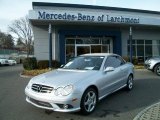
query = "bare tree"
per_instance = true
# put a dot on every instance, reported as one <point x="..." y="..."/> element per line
<point x="22" y="28"/>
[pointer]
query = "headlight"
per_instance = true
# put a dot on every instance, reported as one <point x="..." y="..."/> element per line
<point x="149" y="61"/>
<point x="64" y="91"/>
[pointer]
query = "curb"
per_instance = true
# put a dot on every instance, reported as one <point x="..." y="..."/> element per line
<point x="138" y="117"/>
<point x="25" y="76"/>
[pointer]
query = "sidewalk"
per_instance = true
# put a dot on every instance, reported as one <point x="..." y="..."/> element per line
<point x="150" y="113"/>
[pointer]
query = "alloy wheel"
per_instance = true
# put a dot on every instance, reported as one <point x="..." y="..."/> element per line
<point x="90" y="101"/>
<point x="158" y="70"/>
<point x="130" y="82"/>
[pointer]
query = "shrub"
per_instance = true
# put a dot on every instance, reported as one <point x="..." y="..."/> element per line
<point x="126" y="58"/>
<point x="134" y="60"/>
<point x="43" y="64"/>
<point x="55" y="64"/>
<point x="30" y="63"/>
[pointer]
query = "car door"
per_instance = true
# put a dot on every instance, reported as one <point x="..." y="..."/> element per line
<point x="111" y="78"/>
<point x="123" y="72"/>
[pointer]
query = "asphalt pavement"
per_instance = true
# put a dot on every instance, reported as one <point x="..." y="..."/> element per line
<point x="122" y="105"/>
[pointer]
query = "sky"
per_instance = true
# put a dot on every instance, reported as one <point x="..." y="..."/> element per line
<point x="11" y="10"/>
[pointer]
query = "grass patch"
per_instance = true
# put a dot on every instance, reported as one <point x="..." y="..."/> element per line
<point x="35" y="72"/>
<point x="139" y="66"/>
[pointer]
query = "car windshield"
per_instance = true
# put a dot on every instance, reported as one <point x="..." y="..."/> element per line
<point x="85" y="63"/>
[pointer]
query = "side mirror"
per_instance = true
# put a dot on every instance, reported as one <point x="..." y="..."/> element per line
<point x="109" y="69"/>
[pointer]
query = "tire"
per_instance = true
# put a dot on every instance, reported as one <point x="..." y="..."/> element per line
<point x="157" y="69"/>
<point x="130" y="83"/>
<point x="88" y="101"/>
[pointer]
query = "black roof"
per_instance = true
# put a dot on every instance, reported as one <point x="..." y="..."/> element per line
<point x="93" y="7"/>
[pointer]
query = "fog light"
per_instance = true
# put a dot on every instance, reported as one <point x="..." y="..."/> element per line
<point x="65" y="106"/>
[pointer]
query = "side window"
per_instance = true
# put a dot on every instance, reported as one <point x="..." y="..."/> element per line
<point x="120" y="60"/>
<point x="113" y="61"/>
<point x="109" y="62"/>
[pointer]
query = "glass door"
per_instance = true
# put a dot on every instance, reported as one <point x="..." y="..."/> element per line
<point x="75" y="46"/>
<point x="82" y="49"/>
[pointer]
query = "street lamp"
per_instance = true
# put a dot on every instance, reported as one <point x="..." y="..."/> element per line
<point x="130" y="39"/>
<point x="50" y="45"/>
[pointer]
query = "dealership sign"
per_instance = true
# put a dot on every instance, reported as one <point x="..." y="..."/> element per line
<point x="95" y="16"/>
<point x="43" y="15"/>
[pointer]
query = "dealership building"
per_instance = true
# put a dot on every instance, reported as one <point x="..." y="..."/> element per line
<point x="72" y="29"/>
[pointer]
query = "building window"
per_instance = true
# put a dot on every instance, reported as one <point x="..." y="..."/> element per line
<point x="144" y="48"/>
<point x="77" y="45"/>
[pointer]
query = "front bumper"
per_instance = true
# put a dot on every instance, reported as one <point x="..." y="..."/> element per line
<point x="69" y="103"/>
<point x="147" y="66"/>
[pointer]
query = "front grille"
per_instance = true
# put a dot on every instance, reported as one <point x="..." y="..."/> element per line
<point x="40" y="103"/>
<point x="41" y="88"/>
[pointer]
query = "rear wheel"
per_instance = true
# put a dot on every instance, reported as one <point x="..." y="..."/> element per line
<point x="89" y="101"/>
<point x="157" y="69"/>
<point x="130" y="82"/>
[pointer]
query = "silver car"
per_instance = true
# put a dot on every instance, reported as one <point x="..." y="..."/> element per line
<point x="81" y="83"/>
<point x="153" y="64"/>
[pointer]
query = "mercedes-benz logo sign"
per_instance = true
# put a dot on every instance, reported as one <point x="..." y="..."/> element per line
<point x="39" y="88"/>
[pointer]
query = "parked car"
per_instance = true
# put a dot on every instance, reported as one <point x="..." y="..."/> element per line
<point x="3" y="61"/>
<point x="12" y="62"/>
<point x="81" y="83"/>
<point x="153" y="64"/>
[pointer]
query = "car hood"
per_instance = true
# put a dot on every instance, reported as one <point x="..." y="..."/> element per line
<point x="62" y="77"/>
<point x="156" y="58"/>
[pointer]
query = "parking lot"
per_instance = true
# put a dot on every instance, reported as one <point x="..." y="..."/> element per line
<point x="121" y="105"/>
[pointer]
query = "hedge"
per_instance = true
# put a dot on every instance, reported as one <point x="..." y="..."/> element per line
<point x="134" y="60"/>
<point x="30" y="63"/>
<point x="43" y="64"/>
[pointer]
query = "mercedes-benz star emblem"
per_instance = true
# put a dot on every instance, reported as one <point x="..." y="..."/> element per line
<point x="39" y="88"/>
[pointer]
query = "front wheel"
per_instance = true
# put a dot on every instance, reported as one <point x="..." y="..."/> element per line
<point x="157" y="69"/>
<point x="89" y="101"/>
<point x="130" y="82"/>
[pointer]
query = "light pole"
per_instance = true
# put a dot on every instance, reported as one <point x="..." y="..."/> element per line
<point x="130" y="39"/>
<point x="50" y="45"/>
